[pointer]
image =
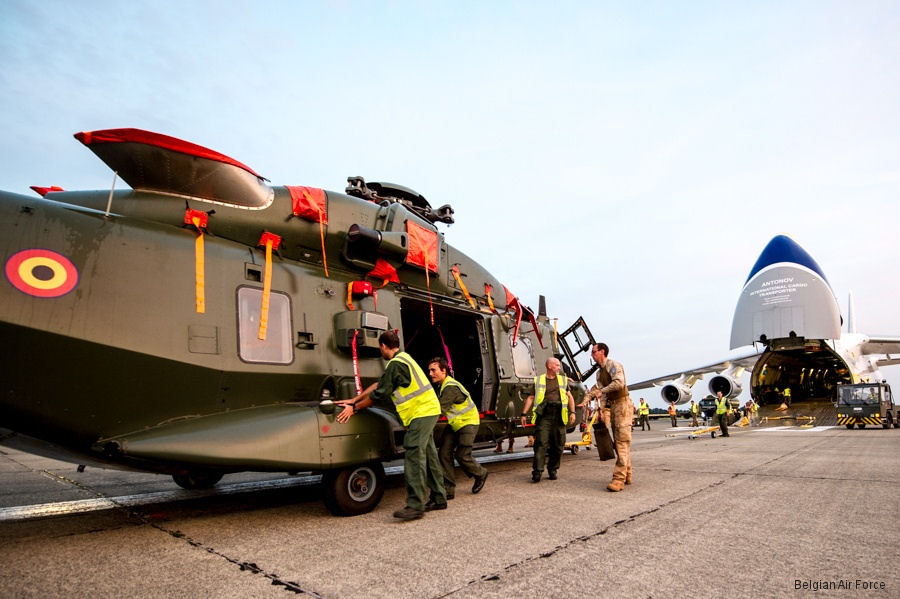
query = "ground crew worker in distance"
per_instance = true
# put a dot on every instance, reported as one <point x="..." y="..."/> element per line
<point x="722" y="409"/>
<point x="673" y="414"/>
<point x="612" y="396"/>
<point x="554" y="410"/>
<point x="644" y="413"/>
<point x="695" y="411"/>
<point x="417" y="405"/>
<point x="462" y="427"/>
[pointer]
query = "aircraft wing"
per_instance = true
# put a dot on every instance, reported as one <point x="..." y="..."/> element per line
<point x="745" y="359"/>
<point x="888" y="346"/>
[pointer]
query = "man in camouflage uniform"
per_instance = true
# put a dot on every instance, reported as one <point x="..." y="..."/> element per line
<point x="611" y="393"/>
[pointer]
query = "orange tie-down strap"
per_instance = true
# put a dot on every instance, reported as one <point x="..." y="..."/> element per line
<point x="462" y="286"/>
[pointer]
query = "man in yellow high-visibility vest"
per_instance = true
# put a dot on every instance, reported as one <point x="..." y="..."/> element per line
<point x="722" y="409"/>
<point x="644" y="413"/>
<point x="554" y="410"/>
<point x="405" y="385"/>
<point x="695" y="412"/>
<point x="459" y="435"/>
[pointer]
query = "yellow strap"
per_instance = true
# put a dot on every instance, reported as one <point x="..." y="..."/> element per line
<point x="199" y="261"/>
<point x="267" y="290"/>
<point x="456" y="275"/>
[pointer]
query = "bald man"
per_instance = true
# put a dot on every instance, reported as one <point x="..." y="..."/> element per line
<point x="553" y="411"/>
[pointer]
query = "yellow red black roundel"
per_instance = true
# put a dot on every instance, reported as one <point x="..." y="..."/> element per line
<point x="41" y="273"/>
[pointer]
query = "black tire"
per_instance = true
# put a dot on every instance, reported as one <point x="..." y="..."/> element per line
<point x="353" y="491"/>
<point x="574" y="449"/>
<point x="849" y="426"/>
<point x="197" y="479"/>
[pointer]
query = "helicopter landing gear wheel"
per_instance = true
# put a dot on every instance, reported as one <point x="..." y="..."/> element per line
<point x="353" y="491"/>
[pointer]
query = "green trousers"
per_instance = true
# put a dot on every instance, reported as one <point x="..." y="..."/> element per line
<point x="549" y="444"/>
<point x="458" y="443"/>
<point x="420" y="464"/>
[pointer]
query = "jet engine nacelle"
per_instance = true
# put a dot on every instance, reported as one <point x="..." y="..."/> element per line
<point x="676" y="392"/>
<point x="726" y="384"/>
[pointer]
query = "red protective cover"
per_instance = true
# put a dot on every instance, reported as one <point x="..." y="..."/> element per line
<point x="422" y="242"/>
<point x="159" y="140"/>
<point x="384" y="271"/>
<point x="309" y="203"/>
<point x="45" y="190"/>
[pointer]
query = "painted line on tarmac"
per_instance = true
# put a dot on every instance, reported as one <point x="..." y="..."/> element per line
<point x="793" y="429"/>
<point x="82" y="506"/>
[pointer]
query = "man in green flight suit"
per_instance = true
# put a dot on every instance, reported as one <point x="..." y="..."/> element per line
<point x="405" y="385"/>
<point x="458" y="436"/>
<point x="554" y="410"/>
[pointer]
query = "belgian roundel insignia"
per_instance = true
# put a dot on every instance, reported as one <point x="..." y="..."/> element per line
<point x="41" y="273"/>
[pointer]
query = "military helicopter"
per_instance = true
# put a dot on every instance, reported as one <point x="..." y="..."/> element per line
<point x="204" y="322"/>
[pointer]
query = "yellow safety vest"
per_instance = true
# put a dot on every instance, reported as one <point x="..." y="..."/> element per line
<point x="417" y="399"/>
<point x="671" y="410"/>
<point x="540" y="388"/>
<point x="463" y="413"/>
<point x="722" y="407"/>
<point x="787" y="391"/>
<point x="694" y="408"/>
<point x="644" y="410"/>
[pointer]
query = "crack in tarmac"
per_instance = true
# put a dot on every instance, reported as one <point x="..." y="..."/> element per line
<point x="251" y="567"/>
<point x="585" y="538"/>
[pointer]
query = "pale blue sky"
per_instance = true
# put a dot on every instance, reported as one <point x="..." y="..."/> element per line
<point x="630" y="161"/>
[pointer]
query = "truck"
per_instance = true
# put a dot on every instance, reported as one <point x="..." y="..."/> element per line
<point x="708" y="409"/>
<point x="866" y="403"/>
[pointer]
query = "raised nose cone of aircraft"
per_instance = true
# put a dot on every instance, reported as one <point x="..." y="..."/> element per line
<point x="782" y="249"/>
<point x="786" y="295"/>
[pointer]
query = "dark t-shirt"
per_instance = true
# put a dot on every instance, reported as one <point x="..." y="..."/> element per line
<point x="553" y="407"/>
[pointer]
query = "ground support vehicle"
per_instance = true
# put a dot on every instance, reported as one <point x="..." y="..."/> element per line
<point x="866" y="403"/>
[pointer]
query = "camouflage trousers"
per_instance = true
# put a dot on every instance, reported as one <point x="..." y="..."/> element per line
<point x="618" y="419"/>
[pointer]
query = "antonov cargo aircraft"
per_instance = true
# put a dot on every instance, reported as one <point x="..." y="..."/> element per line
<point x="788" y="313"/>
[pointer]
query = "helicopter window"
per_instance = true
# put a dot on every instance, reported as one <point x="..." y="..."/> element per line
<point x="523" y="358"/>
<point x="277" y="348"/>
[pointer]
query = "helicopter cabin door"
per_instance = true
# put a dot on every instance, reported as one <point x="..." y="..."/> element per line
<point x="575" y="343"/>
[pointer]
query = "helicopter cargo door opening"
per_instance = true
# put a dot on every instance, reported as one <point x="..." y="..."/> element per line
<point x="457" y="336"/>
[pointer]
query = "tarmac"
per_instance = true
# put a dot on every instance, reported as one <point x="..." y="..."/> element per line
<point x="779" y="511"/>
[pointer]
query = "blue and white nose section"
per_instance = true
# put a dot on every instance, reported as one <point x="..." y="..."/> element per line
<point x="786" y="295"/>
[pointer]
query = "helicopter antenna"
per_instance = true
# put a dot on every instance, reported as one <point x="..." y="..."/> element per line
<point x="111" y="190"/>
